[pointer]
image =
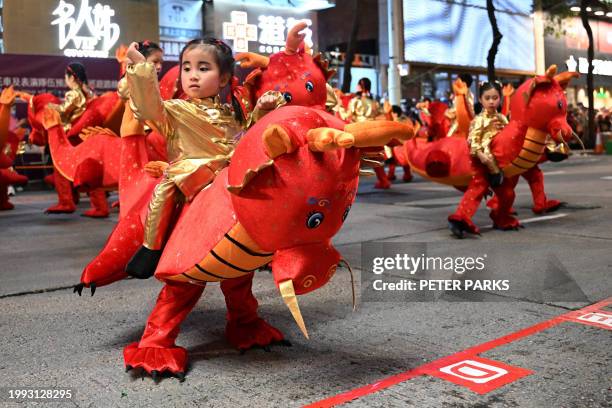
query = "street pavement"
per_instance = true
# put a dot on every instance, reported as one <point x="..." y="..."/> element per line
<point x="394" y="353"/>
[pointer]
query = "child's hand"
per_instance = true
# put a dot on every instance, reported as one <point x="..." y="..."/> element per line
<point x="387" y="108"/>
<point x="155" y="168"/>
<point x="460" y="87"/>
<point x="133" y="55"/>
<point x="266" y="102"/>
<point x="7" y="97"/>
<point x="497" y="123"/>
<point x="23" y="96"/>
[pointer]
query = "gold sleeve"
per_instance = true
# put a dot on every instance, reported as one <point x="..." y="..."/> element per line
<point x="475" y="134"/>
<point x="503" y="119"/>
<point x="122" y="89"/>
<point x="256" y="114"/>
<point x="145" y="99"/>
<point x="73" y="100"/>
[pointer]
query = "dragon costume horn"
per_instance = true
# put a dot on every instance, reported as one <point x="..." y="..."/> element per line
<point x="294" y="38"/>
<point x="378" y="132"/>
<point x="252" y="60"/>
<point x="564" y="78"/>
<point x="324" y="139"/>
<point x="288" y="293"/>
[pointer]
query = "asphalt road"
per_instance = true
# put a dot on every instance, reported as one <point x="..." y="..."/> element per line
<point x="441" y="351"/>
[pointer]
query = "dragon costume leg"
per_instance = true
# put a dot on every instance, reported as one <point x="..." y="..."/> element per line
<point x="245" y="329"/>
<point x="383" y="182"/>
<point x="99" y="204"/>
<point x="541" y="204"/>
<point x="502" y="216"/>
<point x="391" y="172"/>
<point x="156" y="352"/>
<point x="64" y="194"/>
<point x="407" y="174"/>
<point x="461" y="220"/>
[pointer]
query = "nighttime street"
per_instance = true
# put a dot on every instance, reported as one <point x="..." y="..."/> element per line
<point x="54" y="338"/>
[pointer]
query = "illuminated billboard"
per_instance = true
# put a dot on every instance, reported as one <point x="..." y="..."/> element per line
<point x="458" y="33"/>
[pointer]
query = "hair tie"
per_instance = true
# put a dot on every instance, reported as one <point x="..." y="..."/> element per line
<point x="233" y="85"/>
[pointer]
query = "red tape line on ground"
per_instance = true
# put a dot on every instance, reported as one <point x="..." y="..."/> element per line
<point x="465" y="354"/>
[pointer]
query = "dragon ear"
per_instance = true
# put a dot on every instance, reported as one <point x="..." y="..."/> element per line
<point x="276" y="141"/>
<point x="539" y="80"/>
<point x="323" y="64"/>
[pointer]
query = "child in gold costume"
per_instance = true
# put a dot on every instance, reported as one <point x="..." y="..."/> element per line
<point x="200" y="134"/>
<point x="483" y="129"/>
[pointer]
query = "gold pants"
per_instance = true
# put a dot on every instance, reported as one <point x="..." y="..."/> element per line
<point x="489" y="161"/>
<point x="165" y="204"/>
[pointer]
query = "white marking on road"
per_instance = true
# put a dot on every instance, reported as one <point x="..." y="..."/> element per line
<point x="554" y="173"/>
<point x="537" y="219"/>
<point x="607" y="178"/>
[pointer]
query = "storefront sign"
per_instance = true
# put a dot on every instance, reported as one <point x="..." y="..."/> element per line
<point x="269" y="34"/>
<point x="179" y="22"/>
<point x="88" y="32"/>
<point x="600" y="67"/>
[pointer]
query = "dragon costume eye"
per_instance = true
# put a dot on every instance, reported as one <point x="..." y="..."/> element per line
<point x="346" y="213"/>
<point x="314" y="219"/>
<point x="560" y="105"/>
<point x="287" y="96"/>
<point x="309" y="86"/>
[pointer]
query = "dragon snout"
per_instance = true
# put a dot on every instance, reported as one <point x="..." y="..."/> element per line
<point x="302" y="269"/>
<point x="560" y="130"/>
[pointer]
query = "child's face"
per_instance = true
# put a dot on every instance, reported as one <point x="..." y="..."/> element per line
<point x="490" y="99"/>
<point x="70" y="82"/>
<point x="157" y="59"/>
<point x="200" y="75"/>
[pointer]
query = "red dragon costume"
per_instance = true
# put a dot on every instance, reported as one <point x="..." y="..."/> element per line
<point x="299" y="163"/>
<point x="538" y="109"/>
<point x="266" y="176"/>
<point x="9" y="145"/>
<point x="534" y="176"/>
<point x="86" y="157"/>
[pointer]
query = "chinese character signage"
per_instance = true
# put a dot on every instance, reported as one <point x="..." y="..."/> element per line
<point x="86" y="32"/>
<point x="259" y="29"/>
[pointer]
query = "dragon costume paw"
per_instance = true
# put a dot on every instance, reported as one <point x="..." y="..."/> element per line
<point x="549" y="206"/>
<point x="504" y="222"/>
<point x="6" y="205"/>
<point x="382" y="184"/>
<point x="61" y="209"/>
<point x="460" y="225"/>
<point x="257" y="333"/>
<point x="95" y="213"/>
<point x="155" y="361"/>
